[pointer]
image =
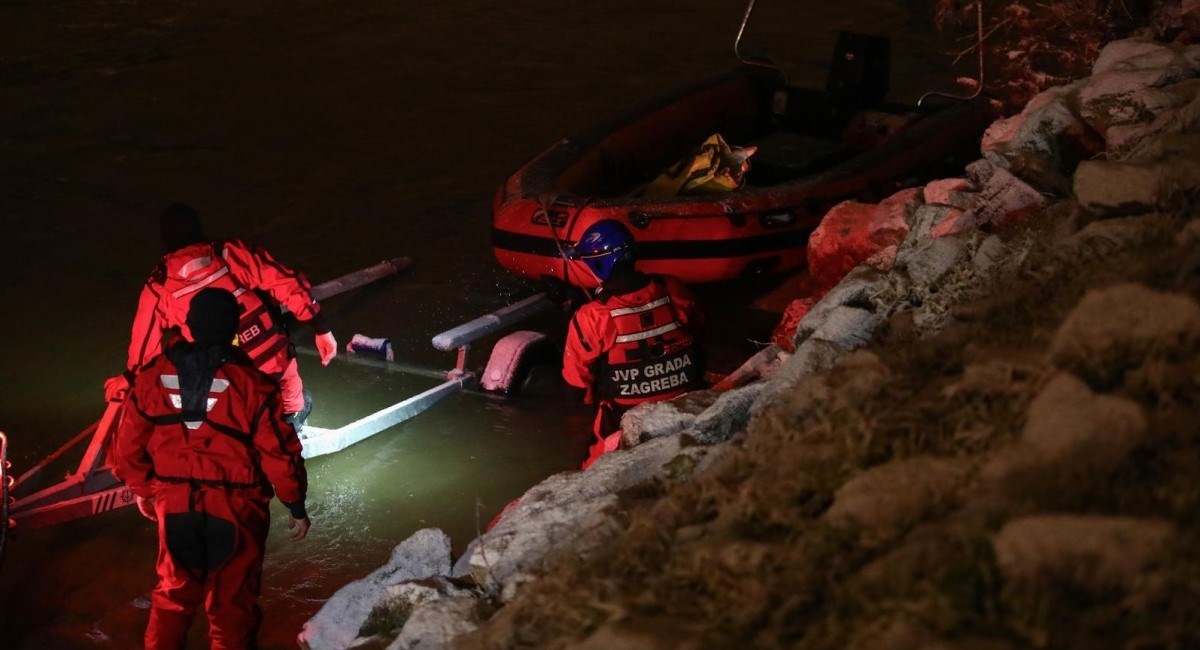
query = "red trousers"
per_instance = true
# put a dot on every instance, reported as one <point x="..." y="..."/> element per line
<point x="291" y="388"/>
<point x="210" y="552"/>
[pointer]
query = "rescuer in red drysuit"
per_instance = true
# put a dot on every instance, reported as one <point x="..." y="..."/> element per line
<point x="636" y="341"/>
<point x="201" y="442"/>
<point x="260" y="284"/>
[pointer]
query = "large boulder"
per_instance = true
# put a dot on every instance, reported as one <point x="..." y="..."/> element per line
<point x="437" y="623"/>
<point x="335" y="626"/>
<point x="853" y="233"/>
<point x="1004" y="199"/>
<point x="848" y="313"/>
<point x="657" y="419"/>
<point x="954" y="192"/>
<point x="811" y="356"/>
<point x="1128" y="80"/>
<point x="1165" y="146"/>
<point x="728" y="415"/>
<point x="1046" y="139"/>
<point x="572" y="510"/>
<point x="1171" y="61"/>
<point x="1122" y="139"/>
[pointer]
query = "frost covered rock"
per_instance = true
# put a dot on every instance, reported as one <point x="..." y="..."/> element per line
<point x="1118" y="329"/>
<point x="858" y="291"/>
<point x="668" y="417"/>
<point x="954" y="192"/>
<point x="898" y="493"/>
<point x="1118" y="188"/>
<point x="399" y="603"/>
<point x="811" y="357"/>
<point x="759" y="366"/>
<point x="426" y="553"/>
<point x="436" y="624"/>
<point x="852" y="233"/>
<point x="711" y="416"/>
<point x="953" y="222"/>
<point x="1005" y="200"/>
<point x="1166" y="146"/>
<point x="924" y="220"/>
<point x="567" y="510"/>
<point x="1092" y="553"/>
<point x="1105" y="107"/>
<point x="926" y="265"/>
<point x="1046" y="137"/>
<point x="1175" y="61"/>
<point x="728" y="415"/>
<point x="989" y="255"/>
<point x="1124" y="138"/>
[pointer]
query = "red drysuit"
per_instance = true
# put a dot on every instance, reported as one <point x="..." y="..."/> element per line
<point x="634" y="344"/>
<point x="208" y="453"/>
<point x="257" y="280"/>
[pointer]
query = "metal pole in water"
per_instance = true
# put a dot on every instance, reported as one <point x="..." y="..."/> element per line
<point x="318" y="441"/>
<point x="361" y="277"/>
<point x="459" y="336"/>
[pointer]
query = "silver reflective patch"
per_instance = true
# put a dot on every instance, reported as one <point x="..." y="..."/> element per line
<point x="640" y="336"/>
<point x="625" y="311"/>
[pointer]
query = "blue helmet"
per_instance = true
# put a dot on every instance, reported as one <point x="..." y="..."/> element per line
<point x="603" y="245"/>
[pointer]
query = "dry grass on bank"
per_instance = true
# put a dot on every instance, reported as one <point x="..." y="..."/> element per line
<point x="890" y="502"/>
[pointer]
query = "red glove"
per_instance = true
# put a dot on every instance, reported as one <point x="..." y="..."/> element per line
<point x="146" y="507"/>
<point x="327" y="346"/>
<point x="115" y="388"/>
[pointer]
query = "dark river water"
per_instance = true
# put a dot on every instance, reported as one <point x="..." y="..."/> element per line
<point x="337" y="134"/>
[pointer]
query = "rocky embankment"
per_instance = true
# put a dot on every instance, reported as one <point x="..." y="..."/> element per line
<point x="980" y="431"/>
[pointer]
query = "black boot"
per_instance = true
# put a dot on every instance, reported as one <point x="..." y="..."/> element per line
<point x="297" y="420"/>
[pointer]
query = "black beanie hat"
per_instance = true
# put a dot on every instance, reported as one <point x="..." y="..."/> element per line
<point x="213" y="316"/>
<point x="180" y="226"/>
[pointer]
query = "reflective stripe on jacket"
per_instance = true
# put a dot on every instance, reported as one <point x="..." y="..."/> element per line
<point x="637" y="346"/>
<point x="235" y="439"/>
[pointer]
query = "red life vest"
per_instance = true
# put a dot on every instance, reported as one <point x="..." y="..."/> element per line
<point x="211" y="446"/>
<point x="203" y="265"/>
<point x="653" y="356"/>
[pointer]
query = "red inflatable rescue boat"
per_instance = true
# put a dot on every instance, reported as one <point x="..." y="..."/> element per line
<point x="816" y="148"/>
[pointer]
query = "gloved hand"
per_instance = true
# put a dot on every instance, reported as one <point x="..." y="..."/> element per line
<point x="326" y="346"/>
<point x="146" y="507"/>
<point x="115" y="388"/>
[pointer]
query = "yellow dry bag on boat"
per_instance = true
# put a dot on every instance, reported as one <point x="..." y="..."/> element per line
<point x="714" y="167"/>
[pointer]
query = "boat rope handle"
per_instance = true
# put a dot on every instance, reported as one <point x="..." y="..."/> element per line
<point x="758" y="61"/>
<point x="546" y="200"/>
<point x="979" y="48"/>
